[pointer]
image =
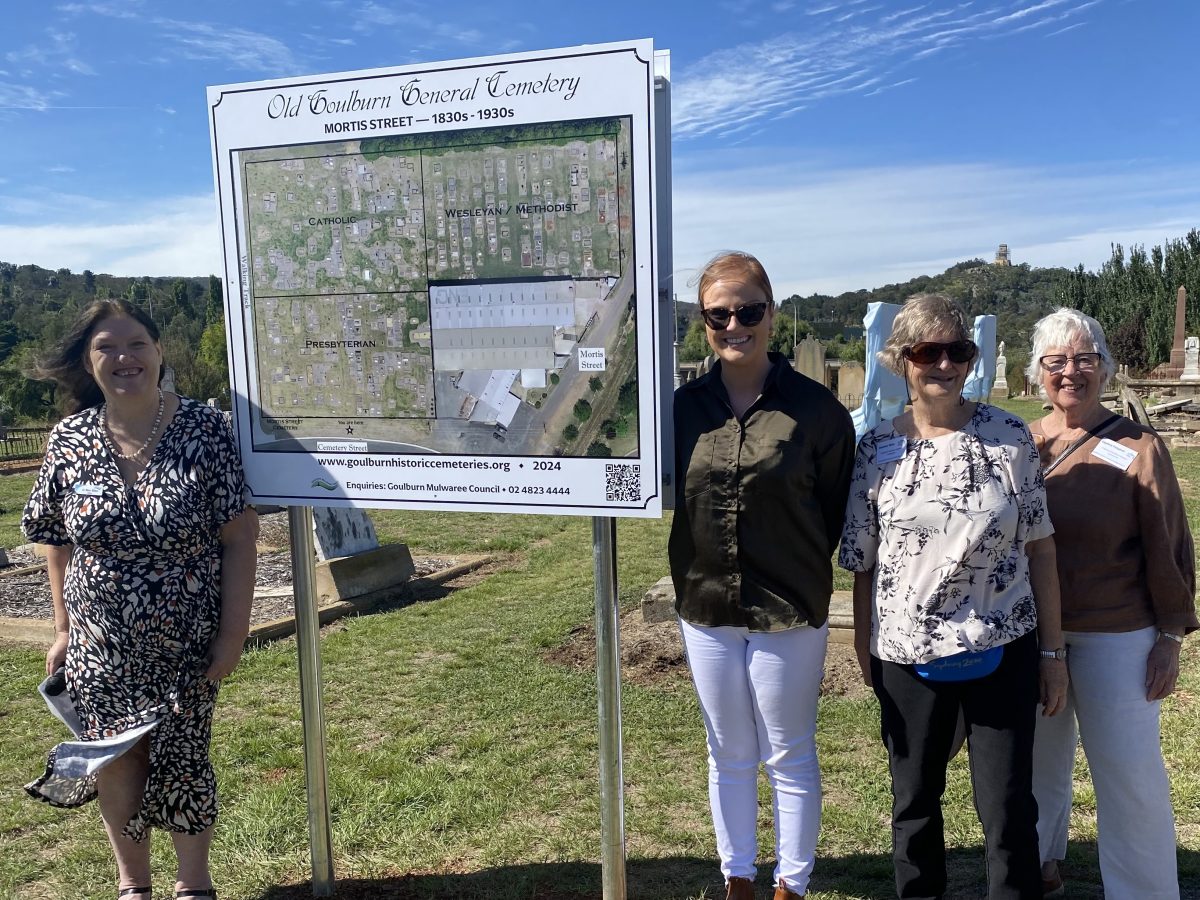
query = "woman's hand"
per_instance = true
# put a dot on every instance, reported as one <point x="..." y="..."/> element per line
<point x="224" y="655"/>
<point x="56" y="656"/>
<point x="1053" y="678"/>
<point x="1162" y="669"/>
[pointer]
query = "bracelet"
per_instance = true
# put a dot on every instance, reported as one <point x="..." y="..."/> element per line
<point x="1171" y="636"/>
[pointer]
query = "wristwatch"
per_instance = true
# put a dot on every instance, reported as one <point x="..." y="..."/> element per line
<point x="1060" y="653"/>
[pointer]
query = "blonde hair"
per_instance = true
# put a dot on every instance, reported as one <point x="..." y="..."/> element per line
<point x="733" y="265"/>
<point x="922" y="315"/>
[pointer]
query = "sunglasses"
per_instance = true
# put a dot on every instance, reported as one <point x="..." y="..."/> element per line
<point x="1084" y="362"/>
<point x="928" y="352"/>
<point x="749" y="315"/>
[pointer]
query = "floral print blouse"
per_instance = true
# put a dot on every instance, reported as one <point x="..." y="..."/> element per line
<point x="943" y="523"/>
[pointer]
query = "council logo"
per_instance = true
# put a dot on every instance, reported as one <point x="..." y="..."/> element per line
<point x="322" y="483"/>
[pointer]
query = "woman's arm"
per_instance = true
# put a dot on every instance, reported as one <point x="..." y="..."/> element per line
<point x="239" y="556"/>
<point x="57" y="558"/>
<point x="863" y="587"/>
<point x="1043" y="576"/>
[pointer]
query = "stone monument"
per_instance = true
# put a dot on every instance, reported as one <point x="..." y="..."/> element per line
<point x="1000" y="387"/>
<point x="1191" y="359"/>
<point x="1177" y="347"/>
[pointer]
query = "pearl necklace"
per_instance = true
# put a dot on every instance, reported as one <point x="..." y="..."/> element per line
<point x="110" y="440"/>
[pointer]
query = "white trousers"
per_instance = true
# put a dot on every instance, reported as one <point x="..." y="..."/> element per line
<point x="1120" y="733"/>
<point x="758" y="693"/>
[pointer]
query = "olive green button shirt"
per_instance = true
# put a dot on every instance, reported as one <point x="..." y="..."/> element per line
<point x="759" y="502"/>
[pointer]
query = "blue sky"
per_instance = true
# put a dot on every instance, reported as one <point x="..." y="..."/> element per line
<point x="848" y="143"/>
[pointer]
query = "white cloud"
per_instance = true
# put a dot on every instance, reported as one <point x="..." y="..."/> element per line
<point x="833" y="229"/>
<point x="172" y="236"/>
<point x="850" y="52"/>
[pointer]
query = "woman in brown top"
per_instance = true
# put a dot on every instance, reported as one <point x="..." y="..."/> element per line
<point x="1127" y="572"/>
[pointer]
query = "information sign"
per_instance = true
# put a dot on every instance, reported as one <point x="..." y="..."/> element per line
<point x="440" y="283"/>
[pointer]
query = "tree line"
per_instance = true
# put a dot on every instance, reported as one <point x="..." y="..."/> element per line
<point x="1132" y="295"/>
<point x="38" y="306"/>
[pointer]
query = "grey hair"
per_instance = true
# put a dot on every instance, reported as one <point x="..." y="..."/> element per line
<point x="922" y="315"/>
<point x="1062" y="328"/>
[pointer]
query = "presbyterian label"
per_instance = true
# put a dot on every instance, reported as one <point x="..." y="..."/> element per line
<point x="591" y="359"/>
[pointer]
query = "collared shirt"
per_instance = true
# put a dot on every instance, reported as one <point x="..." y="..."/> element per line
<point x="759" y="502"/>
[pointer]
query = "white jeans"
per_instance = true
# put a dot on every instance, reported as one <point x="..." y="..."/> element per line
<point x="1120" y="733"/>
<point x="758" y="693"/>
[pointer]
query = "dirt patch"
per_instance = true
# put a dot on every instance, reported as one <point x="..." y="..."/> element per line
<point x="652" y="655"/>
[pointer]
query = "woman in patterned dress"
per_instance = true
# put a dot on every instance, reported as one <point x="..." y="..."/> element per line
<point x="151" y="560"/>
<point x="954" y="589"/>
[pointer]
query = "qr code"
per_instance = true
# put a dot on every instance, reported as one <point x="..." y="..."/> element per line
<point x="623" y="482"/>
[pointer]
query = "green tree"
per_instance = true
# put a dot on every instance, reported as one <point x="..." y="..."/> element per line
<point x="598" y="448"/>
<point x="595" y="384"/>
<point x="583" y="410"/>
<point x="571" y="431"/>
<point x="695" y="344"/>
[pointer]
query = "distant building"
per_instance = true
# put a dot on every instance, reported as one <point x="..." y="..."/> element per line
<point x="1002" y="256"/>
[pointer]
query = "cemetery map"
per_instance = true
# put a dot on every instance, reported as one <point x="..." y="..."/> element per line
<point x="443" y="291"/>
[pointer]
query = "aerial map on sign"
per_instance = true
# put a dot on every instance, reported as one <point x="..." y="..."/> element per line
<point x="462" y="291"/>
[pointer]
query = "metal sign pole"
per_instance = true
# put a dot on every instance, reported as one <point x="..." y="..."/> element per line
<point x="308" y="651"/>
<point x="608" y="687"/>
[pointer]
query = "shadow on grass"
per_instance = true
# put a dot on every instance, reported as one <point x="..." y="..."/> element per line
<point x="861" y="876"/>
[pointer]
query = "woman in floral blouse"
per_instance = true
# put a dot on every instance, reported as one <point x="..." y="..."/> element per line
<point x="955" y="591"/>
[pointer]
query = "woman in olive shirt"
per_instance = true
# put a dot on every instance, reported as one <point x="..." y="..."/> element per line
<point x="763" y="463"/>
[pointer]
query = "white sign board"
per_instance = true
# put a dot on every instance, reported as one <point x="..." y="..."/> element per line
<point x="440" y="283"/>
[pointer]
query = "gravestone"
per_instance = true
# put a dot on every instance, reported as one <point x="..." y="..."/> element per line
<point x="1191" y="359"/>
<point x="810" y="359"/>
<point x="851" y="380"/>
<point x="1000" y="386"/>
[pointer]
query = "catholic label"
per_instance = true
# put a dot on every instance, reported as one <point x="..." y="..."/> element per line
<point x="1115" y="454"/>
<point x="891" y="450"/>
<point x="89" y="490"/>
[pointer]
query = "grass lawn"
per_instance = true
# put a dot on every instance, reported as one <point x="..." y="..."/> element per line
<point x="463" y="763"/>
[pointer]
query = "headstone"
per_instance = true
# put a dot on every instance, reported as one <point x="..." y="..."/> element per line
<point x="1000" y="386"/>
<point x="810" y="359"/>
<point x="1191" y="359"/>
<point x="168" y="379"/>
<point x="342" y="532"/>
<point x="851" y="380"/>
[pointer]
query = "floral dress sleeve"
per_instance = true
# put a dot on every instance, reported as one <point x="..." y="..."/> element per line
<point x="42" y="520"/>
<point x="1034" y="523"/>
<point x="860" y="534"/>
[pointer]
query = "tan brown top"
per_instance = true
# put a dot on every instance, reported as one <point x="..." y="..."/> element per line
<point x="1125" y="554"/>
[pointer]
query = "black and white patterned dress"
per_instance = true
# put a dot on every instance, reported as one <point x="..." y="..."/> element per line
<point x="142" y="593"/>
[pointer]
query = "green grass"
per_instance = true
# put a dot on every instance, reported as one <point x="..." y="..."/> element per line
<point x="463" y="764"/>
<point x="14" y="491"/>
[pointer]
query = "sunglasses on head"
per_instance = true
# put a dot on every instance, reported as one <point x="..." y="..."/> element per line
<point x="749" y="314"/>
<point x="928" y="352"/>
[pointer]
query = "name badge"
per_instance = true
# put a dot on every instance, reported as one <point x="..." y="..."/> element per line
<point x="891" y="450"/>
<point x="1115" y="454"/>
<point x="89" y="490"/>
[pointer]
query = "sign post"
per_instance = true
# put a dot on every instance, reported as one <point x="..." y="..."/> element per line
<point x="312" y="713"/>
<point x="608" y="690"/>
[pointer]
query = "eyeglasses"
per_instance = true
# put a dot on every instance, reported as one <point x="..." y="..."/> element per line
<point x="928" y="352"/>
<point x="1057" y="362"/>
<point x="749" y="315"/>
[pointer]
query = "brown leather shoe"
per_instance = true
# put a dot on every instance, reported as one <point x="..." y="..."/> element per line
<point x="739" y="889"/>
<point x="782" y="892"/>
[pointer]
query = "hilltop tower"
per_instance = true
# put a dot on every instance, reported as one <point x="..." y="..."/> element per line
<point x="1002" y="256"/>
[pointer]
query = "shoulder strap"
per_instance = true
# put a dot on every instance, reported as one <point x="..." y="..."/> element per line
<point x="1078" y="442"/>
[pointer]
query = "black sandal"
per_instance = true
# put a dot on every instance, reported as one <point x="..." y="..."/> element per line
<point x="126" y="892"/>
<point x="196" y="892"/>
